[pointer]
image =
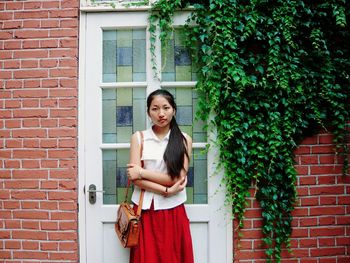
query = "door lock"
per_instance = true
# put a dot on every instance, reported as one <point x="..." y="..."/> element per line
<point x="92" y="193"/>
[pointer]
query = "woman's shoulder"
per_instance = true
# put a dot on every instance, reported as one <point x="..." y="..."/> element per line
<point x="188" y="137"/>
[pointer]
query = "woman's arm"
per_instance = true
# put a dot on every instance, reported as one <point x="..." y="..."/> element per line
<point x="160" y="183"/>
<point x="135" y="171"/>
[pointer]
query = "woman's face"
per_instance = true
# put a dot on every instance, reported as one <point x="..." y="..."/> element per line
<point x="160" y="111"/>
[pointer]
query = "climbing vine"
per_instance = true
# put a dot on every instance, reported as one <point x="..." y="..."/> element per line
<point x="273" y="73"/>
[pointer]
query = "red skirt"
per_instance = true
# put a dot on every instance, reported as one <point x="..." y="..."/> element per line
<point x="165" y="237"/>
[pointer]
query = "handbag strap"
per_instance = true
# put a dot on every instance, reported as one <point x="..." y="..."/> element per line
<point x="139" y="209"/>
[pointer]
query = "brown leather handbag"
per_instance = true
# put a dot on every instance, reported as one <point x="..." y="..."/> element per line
<point x="128" y="222"/>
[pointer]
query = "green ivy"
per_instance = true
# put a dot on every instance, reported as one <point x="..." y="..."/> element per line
<point x="273" y="73"/>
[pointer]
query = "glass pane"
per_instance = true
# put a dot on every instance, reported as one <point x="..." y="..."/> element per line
<point x="115" y="178"/>
<point x="176" y="60"/>
<point x="124" y="112"/>
<point x="187" y="102"/>
<point x="124" y="55"/>
<point x="197" y="184"/>
<point x="114" y="175"/>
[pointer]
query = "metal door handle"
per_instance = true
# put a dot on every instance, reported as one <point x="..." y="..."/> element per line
<point x="92" y="193"/>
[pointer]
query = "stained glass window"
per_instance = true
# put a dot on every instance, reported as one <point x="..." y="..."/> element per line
<point x="176" y="59"/>
<point x="124" y="55"/>
<point x="124" y="108"/>
<point x="114" y="175"/>
<point x="124" y="112"/>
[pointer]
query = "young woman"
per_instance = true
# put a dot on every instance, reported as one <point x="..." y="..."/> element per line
<point x="165" y="231"/>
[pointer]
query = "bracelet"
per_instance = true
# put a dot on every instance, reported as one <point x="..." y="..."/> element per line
<point x="140" y="174"/>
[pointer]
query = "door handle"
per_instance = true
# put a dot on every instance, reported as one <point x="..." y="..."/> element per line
<point x="92" y="193"/>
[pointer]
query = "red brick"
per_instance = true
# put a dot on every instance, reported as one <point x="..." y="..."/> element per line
<point x="31" y="23"/>
<point x="343" y="200"/>
<point x="49" y="246"/>
<point x="12" y="64"/>
<point x="48" y="63"/>
<point x="330" y="210"/>
<point x="61" y="153"/>
<point x="68" y="246"/>
<point x="49" y="163"/>
<point x="329" y="231"/>
<point x="303" y="150"/>
<point x="29" y="63"/>
<point x="343" y="241"/>
<point x="12" y="164"/>
<point x="68" y="225"/>
<point x="63" y="132"/>
<point x="30" y="245"/>
<point x="328" y="179"/>
<point x="63" y="236"/>
<point x="30" y="83"/>
<point x="22" y="184"/>
<point x="63" y="13"/>
<point x="49" y="225"/>
<point x="5" y="254"/>
<point x="49" y="185"/>
<point x="30" y="235"/>
<point x="328" y="200"/>
<point x="30" y="225"/>
<point x="63" y="216"/>
<point x="32" y="174"/>
<point x="326" y="138"/>
<point x="62" y="196"/>
<point x="28" y="195"/>
<point x="63" y="113"/>
<point x="12" y="244"/>
<point x="30" y="164"/>
<point x="327" y="190"/>
<point x="31" y="205"/>
<point x="308" y="221"/>
<point x="31" y="44"/>
<point x="30" y="143"/>
<point x="309" y="201"/>
<point x="30" y="255"/>
<point x="30" y="73"/>
<point x="31" y="123"/>
<point x="326" y="241"/>
<point x="326" y="220"/>
<point x="308" y="243"/>
<point x="343" y="220"/>
<point x="67" y="185"/>
<point x="32" y="5"/>
<point x="29" y="154"/>
<point x="63" y="256"/>
<point x="13" y="143"/>
<point x="317" y="252"/>
<point x="31" y="34"/>
<point x="14" y="5"/>
<point x="51" y="4"/>
<point x="49" y="205"/>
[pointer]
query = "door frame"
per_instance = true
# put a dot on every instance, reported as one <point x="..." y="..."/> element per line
<point x="82" y="195"/>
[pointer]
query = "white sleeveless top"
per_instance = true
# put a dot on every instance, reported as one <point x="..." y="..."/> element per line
<point x="153" y="151"/>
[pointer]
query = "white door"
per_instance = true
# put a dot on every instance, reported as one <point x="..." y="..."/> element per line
<point x="115" y="77"/>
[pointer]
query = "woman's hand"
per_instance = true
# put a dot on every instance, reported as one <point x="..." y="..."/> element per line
<point x="134" y="172"/>
<point x="178" y="186"/>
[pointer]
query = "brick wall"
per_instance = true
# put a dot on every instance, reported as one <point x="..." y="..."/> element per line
<point x="38" y="131"/>
<point x="321" y="225"/>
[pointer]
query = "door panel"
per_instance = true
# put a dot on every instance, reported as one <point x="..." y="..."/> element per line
<point x="113" y="106"/>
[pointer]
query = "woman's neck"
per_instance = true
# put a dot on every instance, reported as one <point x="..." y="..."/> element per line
<point x="160" y="132"/>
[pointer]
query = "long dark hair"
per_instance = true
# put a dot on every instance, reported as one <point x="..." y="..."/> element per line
<point x="176" y="149"/>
